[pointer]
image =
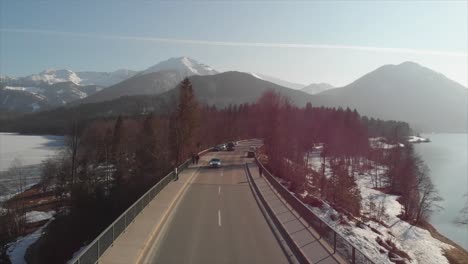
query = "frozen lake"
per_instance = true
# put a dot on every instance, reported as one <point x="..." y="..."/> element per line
<point x="29" y="150"/>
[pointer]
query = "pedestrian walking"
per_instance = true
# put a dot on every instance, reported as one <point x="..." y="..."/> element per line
<point x="260" y="170"/>
<point x="197" y="158"/>
<point x="193" y="158"/>
<point x="176" y="174"/>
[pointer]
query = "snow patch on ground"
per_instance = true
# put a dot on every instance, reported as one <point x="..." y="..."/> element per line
<point x="415" y="139"/>
<point x="379" y="143"/>
<point x="37" y="216"/>
<point x="17" y="250"/>
<point x="416" y="242"/>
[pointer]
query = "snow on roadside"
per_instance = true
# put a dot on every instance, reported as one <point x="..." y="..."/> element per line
<point x="37" y="216"/>
<point x="17" y="250"/>
<point x="77" y="253"/>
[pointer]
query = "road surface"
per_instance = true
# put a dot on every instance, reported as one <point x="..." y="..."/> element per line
<point x="218" y="220"/>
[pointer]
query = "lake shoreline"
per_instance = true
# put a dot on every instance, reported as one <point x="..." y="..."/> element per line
<point x="456" y="255"/>
<point x="446" y="157"/>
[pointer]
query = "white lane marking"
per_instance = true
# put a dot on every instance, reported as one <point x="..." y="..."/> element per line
<point x="219" y="217"/>
<point x="219" y="190"/>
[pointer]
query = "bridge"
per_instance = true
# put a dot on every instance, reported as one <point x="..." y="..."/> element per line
<point x="229" y="214"/>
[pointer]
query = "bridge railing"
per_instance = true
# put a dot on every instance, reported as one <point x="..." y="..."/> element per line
<point x="339" y="243"/>
<point x="93" y="251"/>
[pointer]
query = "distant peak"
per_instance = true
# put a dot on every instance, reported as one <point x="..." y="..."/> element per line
<point x="186" y="65"/>
<point x="409" y="64"/>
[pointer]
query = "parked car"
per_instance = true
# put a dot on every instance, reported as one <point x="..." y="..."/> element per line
<point x="230" y="146"/>
<point x="223" y="147"/>
<point x="215" y="163"/>
<point x="216" y="148"/>
<point x="250" y="154"/>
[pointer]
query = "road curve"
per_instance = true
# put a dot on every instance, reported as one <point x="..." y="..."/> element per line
<point x="218" y="220"/>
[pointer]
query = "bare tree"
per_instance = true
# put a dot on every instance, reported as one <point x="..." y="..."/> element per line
<point x="73" y="143"/>
<point x="17" y="208"/>
<point x="462" y="219"/>
<point x="428" y="195"/>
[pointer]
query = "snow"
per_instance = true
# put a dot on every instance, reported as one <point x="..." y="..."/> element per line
<point x="416" y="242"/>
<point x="37" y="216"/>
<point x="77" y="253"/>
<point x="379" y="143"/>
<point x="185" y="65"/>
<point x="35" y="106"/>
<point x="256" y="76"/>
<point x="415" y="139"/>
<point x="25" y="89"/>
<point x="52" y="76"/>
<point x="17" y="250"/>
<point x="189" y="65"/>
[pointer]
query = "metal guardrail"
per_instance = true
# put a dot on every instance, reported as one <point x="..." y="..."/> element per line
<point x="340" y="244"/>
<point x="284" y="233"/>
<point x="93" y="251"/>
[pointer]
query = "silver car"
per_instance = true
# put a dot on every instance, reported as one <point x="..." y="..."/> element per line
<point x="215" y="163"/>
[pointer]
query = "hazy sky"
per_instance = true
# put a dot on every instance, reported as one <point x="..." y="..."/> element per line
<point x="304" y="42"/>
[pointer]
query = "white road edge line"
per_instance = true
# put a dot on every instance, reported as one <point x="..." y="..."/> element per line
<point x="219" y="217"/>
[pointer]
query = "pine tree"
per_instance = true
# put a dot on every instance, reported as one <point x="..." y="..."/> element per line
<point x="184" y="123"/>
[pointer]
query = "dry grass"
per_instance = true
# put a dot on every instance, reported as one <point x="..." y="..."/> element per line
<point x="34" y="199"/>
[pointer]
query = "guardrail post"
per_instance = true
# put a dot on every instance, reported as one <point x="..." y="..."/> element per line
<point x="354" y="255"/>
<point x="334" y="242"/>
<point x="320" y="231"/>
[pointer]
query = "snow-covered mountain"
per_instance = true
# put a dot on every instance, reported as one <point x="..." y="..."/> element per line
<point x="183" y="65"/>
<point x="316" y="88"/>
<point x="51" y="76"/>
<point x="156" y="79"/>
<point x="31" y="99"/>
<point x="277" y="81"/>
<point x="58" y="87"/>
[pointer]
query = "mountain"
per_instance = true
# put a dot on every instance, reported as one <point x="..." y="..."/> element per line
<point x="237" y="88"/>
<point x="278" y="81"/>
<point x="17" y="100"/>
<point x="31" y="99"/>
<point x="220" y="89"/>
<point x="104" y="78"/>
<point x="316" y="88"/>
<point x="183" y="65"/>
<point x="155" y="80"/>
<point x="409" y="92"/>
<point x="52" y="76"/>
<point x="43" y="86"/>
<point x="147" y="84"/>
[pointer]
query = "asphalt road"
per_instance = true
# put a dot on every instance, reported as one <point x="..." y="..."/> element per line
<point x="218" y="220"/>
